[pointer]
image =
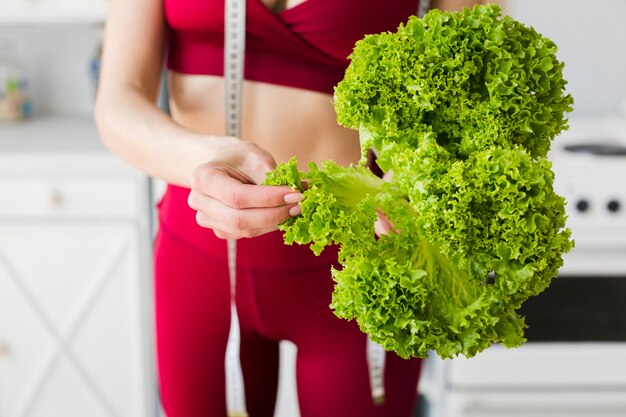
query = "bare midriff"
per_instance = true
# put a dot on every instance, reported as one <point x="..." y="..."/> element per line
<point x="285" y="121"/>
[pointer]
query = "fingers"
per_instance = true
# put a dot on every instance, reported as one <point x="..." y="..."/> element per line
<point x="382" y="225"/>
<point x="231" y="189"/>
<point x="226" y="195"/>
<point x="387" y="176"/>
<point x="235" y="209"/>
<point x="248" y="234"/>
<point x="235" y="223"/>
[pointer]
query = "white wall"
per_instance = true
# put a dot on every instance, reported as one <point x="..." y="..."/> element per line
<point x="591" y="36"/>
<point x="57" y="59"/>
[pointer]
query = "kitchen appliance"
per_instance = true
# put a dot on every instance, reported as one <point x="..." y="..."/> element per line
<point x="574" y="363"/>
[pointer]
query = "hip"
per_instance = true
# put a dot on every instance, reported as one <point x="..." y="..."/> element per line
<point x="263" y="252"/>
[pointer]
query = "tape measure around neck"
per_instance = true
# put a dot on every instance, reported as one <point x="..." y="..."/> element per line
<point x="234" y="44"/>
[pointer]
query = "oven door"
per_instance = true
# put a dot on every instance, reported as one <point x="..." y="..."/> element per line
<point x="574" y="363"/>
<point x="578" y="308"/>
<point x="576" y="340"/>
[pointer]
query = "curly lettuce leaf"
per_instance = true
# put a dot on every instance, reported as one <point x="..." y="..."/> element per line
<point x="462" y="107"/>
<point x="473" y="78"/>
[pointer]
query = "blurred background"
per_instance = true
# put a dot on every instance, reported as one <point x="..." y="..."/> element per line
<point x="76" y="230"/>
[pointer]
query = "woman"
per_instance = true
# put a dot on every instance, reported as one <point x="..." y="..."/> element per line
<point x="295" y="53"/>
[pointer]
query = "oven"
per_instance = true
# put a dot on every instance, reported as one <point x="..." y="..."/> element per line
<point x="574" y="363"/>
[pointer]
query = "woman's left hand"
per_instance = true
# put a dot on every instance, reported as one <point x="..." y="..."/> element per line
<point x="383" y="225"/>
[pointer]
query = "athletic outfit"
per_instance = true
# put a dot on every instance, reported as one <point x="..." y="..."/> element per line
<point x="283" y="292"/>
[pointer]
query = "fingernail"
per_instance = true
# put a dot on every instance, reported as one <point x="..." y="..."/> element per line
<point x="295" y="210"/>
<point x="293" y="198"/>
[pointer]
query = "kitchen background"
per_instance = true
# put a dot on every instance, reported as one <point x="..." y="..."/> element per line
<point x="75" y="232"/>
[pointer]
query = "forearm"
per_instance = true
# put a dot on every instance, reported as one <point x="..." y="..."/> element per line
<point x="132" y="127"/>
<point x="130" y="123"/>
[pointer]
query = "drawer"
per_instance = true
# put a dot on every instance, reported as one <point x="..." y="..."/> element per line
<point x="38" y="197"/>
<point x="561" y="365"/>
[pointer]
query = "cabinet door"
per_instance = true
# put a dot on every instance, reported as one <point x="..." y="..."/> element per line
<point x="72" y="320"/>
<point x="539" y="402"/>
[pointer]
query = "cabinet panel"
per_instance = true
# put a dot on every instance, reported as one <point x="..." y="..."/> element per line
<point x="60" y="197"/>
<point x="580" y="365"/>
<point x="71" y="321"/>
<point x="537" y="403"/>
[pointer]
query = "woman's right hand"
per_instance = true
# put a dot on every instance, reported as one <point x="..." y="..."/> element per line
<point x="226" y="194"/>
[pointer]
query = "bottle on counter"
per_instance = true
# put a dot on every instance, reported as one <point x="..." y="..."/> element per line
<point x="15" y="102"/>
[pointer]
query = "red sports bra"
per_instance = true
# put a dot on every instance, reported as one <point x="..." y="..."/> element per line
<point x="305" y="46"/>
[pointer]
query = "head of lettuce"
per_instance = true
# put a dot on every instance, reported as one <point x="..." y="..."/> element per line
<point x="461" y="108"/>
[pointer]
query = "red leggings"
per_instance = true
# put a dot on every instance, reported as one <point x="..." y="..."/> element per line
<point x="277" y="299"/>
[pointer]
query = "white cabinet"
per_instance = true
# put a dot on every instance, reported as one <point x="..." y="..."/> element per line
<point x="75" y="282"/>
<point x="534" y="380"/>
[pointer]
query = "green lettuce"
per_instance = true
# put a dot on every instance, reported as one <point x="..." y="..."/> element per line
<point x="461" y="108"/>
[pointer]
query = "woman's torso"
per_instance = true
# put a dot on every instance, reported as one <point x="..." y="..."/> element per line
<point x="286" y="110"/>
<point x="291" y="118"/>
<point x="283" y="120"/>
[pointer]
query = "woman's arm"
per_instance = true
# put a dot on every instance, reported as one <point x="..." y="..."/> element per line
<point x="221" y="171"/>
<point x="130" y="123"/>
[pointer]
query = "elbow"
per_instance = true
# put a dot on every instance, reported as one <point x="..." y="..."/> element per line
<point x="102" y="116"/>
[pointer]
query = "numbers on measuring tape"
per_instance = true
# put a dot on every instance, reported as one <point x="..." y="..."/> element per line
<point x="234" y="42"/>
<point x="376" y="367"/>
<point x="422" y="7"/>
<point x="235" y="393"/>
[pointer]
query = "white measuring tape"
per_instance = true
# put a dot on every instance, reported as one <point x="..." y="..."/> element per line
<point x="234" y="42"/>
<point x="422" y="7"/>
<point x="376" y="367"/>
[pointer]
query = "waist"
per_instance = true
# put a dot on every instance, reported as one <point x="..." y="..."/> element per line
<point x="284" y="121"/>
<point x="263" y="252"/>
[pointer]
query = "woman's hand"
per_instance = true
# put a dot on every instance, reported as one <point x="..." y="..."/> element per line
<point x="226" y="195"/>
<point x="383" y="225"/>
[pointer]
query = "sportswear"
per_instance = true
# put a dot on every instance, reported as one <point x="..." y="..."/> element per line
<point x="306" y="46"/>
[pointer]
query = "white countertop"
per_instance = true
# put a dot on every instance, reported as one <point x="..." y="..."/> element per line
<point x="41" y="140"/>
